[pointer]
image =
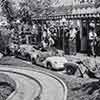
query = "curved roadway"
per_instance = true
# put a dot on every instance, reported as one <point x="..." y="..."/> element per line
<point x="33" y="83"/>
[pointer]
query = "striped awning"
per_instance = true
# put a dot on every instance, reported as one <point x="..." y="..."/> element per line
<point x="70" y="16"/>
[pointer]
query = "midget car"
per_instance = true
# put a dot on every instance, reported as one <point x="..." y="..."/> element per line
<point x="26" y="52"/>
<point x="81" y="69"/>
<point x="11" y="49"/>
<point x="56" y="63"/>
<point x="48" y="58"/>
<point x="31" y="52"/>
<point x="51" y="60"/>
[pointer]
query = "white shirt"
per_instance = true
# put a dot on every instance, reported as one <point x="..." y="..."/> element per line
<point x="44" y="34"/>
<point x="44" y="44"/>
<point x="92" y="35"/>
<point x="73" y="33"/>
<point x="51" y="41"/>
<point x="49" y="33"/>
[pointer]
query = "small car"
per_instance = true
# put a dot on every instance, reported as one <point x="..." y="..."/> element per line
<point x="42" y="54"/>
<point x="55" y="63"/>
<point x="50" y="59"/>
<point x="31" y="53"/>
<point x="80" y="69"/>
<point x="11" y="49"/>
<point x="25" y="52"/>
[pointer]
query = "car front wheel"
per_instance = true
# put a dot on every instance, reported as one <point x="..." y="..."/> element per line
<point x="33" y="61"/>
<point x="28" y="58"/>
<point x="49" y="65"/>
<point x="71" y="69"/>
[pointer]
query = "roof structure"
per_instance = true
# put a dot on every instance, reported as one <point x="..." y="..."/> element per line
<point x="69" y="10"/>
<point x="59" y="3"/>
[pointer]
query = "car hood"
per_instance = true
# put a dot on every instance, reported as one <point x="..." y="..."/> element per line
<point x="33" y="54"/>
<point x="57" y="59"/>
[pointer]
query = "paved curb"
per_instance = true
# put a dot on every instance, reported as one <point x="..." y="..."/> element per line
<point x="51" y="75"/>
<point x="13" y="93"/>
<point x="18" y="85"/>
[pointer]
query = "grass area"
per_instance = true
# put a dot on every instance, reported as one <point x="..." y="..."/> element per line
<point x="7" y="86"/>
<point x="78" y="88"/>
<point x="13" y="62"/>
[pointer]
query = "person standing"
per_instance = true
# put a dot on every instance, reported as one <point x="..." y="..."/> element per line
<point x="92" y="41"/>
<point x="44" y="39"/>
<point x="44" y="34"/>
<point x="78" y="41"/>
<point x="44" y="44"/>
<point x="72" y="40"/>
<point x="67" y="34"/>
<point x="51" y="42"/>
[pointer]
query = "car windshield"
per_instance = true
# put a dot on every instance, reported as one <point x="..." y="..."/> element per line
<point x="27" y="48"/>
<point x="30" y="49"/>
<point x="44" y="50"/>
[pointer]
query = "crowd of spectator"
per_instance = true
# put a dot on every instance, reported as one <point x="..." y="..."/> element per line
<point x="45" y="34"/>
<point x="60" y="36"/>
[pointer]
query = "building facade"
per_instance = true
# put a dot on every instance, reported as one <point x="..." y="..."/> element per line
<point x="86" y="12"/>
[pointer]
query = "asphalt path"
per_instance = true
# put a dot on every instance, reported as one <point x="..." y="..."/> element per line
<point x="49" y="86"/>
<point x="27" y="87"/>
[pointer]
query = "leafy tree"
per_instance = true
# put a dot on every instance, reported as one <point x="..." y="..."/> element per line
<point x="24" y="13"/>
<point x="97" y="3"/>
<point x="37" y="8"/>
<point x="7" y="10"/>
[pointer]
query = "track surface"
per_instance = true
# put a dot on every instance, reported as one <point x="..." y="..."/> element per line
<point x="33" y="83"/>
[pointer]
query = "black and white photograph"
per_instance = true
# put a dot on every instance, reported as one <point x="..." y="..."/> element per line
<point x="49" y="49"/>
